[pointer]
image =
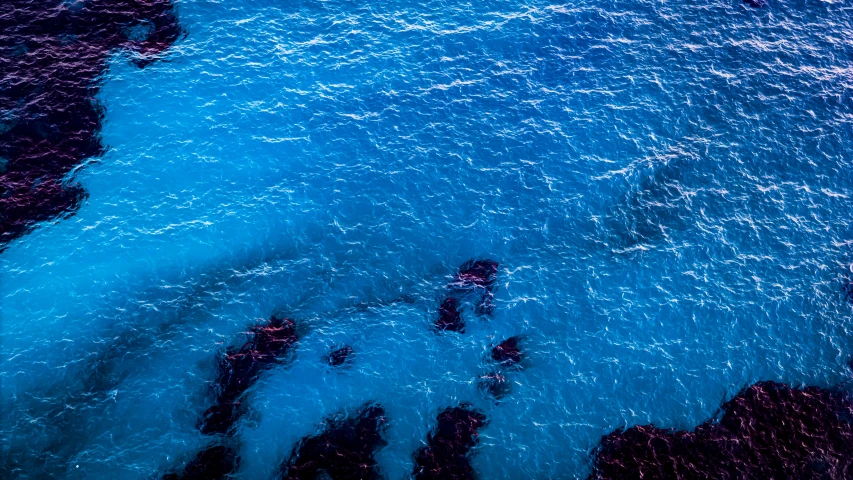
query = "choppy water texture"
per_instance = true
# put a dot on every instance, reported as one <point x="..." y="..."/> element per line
<point x="665" y="187"/>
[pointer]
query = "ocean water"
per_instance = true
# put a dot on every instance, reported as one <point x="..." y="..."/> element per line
<point x="666" y="186"/>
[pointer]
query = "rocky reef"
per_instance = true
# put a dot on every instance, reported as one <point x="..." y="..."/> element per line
<point x="449" y="317"/>
<point x="214" y="463"/>
<point x="52" y="55"/>
<point x="475" y="278"/>
<point x="238" y="370"/>
<point x="343" y="450"/>
<point x="340" y="356"/>
<point x="479" y="277"/>
<point x="508" y="353"/>
<point x="768" y="430"/>
<point x="267" y="346"/>
<point x="508" y="357"/>
<point x="446" y="453"/>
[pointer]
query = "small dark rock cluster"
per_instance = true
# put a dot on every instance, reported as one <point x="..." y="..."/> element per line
<point x="449" y="316"/>
<point x="508" y="353"/>
<point x="480" y="276"/>
<point x="340" y="356"/>
<point x="343" y="450"/>
<point x="346" y="445"/>
<point x="475" y="278"/>
<point x="238" y="369"/>
<point x="446" y="454"/>
<point x="214" y="463"/>
<point x="495" y="384"/>
<point x="508" y="356"/>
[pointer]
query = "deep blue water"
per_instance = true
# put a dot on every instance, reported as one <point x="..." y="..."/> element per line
<point x="666" y="185"/>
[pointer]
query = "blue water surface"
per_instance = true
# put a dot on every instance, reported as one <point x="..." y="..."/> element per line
<point x="666" y="185"/>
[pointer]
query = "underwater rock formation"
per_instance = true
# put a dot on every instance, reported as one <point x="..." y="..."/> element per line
<point x="52" y="55"/>
<point x="214" y="463"/>
<point x="239" y="369"/>
<point x="474" y="277"/>
<point x="449" y="317"/>
<point x="478" y="276"/>
<point x="507" y="353"/>
<point x="495" y="384"/>
<point x="339" y="356"/>
<point x="445" y="456"/>
<point x="480" y="273"/>
<point x="769" y="430"/>
<point x="343" y="450"/>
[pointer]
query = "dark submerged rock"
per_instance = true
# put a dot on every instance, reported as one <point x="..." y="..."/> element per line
<point x="445" y="456"/>
<point x="51" y="59"/>
<point x="449" y="317"/>
<point x="239" y="369"/>
<point x="769" y="430"/>
<point x="344" y="450"/>
<point x="220" y="418"/>
<point x="507" y="353"/>
<point x="273" y="340"/>
<point x="478" y="276"/>
<point x="480" y="273"/>
<point x="215" y="463"/>
<point x="495" y="384"/>
<point x="339" y="356"/>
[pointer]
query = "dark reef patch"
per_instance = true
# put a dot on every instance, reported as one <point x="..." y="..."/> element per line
<point x="345" y="449"/>
<point x="495" y="384"/>
<point x="769" y="430"/>
<point x="239" y="369"/>
<point x="52" y="55"/>
<point x="481" y="273"/>
<point x="449" y="317"/>
<point x="508" y="356"/>
<point x="340" y="356"/>
<point x="214" y="463"/>
<point x="479" y="276"/>
<point x="508" y="353"/>
<point x="475" y="277"/>
<point x="446" y="454"/>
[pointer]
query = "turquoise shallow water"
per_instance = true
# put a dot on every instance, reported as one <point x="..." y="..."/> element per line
<point x="665" y="185"/>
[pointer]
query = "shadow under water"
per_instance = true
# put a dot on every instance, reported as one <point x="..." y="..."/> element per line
<point x="658" y="198"/>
